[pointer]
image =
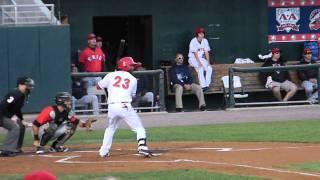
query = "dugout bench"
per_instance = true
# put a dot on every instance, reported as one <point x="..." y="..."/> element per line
<point x="250" y="81"/>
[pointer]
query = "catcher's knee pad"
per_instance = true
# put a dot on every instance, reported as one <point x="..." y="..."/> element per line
<point x="48" y="133"/>
<point x="70" y="130"/>
<point x="45" y="138"/>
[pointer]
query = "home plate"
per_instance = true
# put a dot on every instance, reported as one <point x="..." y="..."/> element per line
<point x="153" y="154"/>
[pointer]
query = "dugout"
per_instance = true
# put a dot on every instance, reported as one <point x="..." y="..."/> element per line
<point x="236" y="28"/>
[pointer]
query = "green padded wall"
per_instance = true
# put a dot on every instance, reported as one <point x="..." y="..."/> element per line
<point x="4" y="67"/>
<point x="55" y="60"/>
<point x="40" y="52"/>
<point x="23" y="50"/>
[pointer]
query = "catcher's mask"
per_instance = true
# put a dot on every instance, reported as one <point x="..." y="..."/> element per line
<point x="64" y="99"/>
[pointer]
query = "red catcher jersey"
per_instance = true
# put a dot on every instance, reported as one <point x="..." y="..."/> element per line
<point x="92" y="59"/>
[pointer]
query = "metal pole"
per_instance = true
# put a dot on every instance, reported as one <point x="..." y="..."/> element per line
<point x="2" y="15"/>
<point x="52" y="14"/>
<point x="161" y="91"/>
<point x="231" y="90"/>
<point x="59" y="10"/>
<point x="318" y="83"/>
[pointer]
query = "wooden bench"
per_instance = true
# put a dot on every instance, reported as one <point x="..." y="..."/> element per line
<point x="250" y="81"/>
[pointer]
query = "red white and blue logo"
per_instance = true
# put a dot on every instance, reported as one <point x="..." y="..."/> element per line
<point x="314" y="20"/>
<point x="288" y="19"/>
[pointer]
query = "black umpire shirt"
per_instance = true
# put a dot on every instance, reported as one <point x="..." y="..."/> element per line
<point x="12" y="103"/>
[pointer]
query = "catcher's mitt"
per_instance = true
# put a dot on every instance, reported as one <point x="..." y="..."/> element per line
<point x="87" y="124"/>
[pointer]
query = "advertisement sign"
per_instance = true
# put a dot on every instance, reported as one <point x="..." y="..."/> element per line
<point x="294" y="21"/>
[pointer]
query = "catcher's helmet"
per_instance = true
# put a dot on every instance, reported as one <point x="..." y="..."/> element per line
<point x="127" y="64"/>
<point x="26" y="81"/>
<point x="200" y="30"/>
<point x="63" y="99"/>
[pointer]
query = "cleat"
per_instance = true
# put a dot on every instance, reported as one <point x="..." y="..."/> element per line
<point x="145" y="153"/>
<point x="40" y="150"/>
<point x="105" y="156"/>
<point x="58" y="149"/>
<point x="7" y="154"/>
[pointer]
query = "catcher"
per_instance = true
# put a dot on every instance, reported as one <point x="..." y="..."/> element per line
<point x="56" y="123"/>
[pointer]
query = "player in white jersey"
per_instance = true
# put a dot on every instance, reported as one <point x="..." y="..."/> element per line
<point x="122" y="87"/>
<point x="199" y="58"/>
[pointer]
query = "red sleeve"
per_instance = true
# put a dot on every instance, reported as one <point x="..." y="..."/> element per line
<point x="102" y="54"/>
<point x="83" y="56"/>
<point x="45" y="115"/>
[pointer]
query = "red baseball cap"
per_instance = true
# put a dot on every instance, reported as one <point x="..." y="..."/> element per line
<point x="307" y="51"/>
<point x="40" y="175"/>
<point x="275" y="50"/>
<point x="91" y="36"/>
<point x="99" y="39"/>
<point x="200" y="30"/>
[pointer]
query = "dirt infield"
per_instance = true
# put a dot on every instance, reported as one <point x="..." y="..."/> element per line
<point x="254" y="159"/>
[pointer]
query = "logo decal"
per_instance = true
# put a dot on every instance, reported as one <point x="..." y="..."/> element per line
<point x="10" y="99"/>
<point x="287" y="19"/>
<point x="314" y="20"/>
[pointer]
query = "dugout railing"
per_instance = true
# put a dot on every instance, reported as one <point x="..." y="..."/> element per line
<point x="232" y="70"/>
<point x="157" y="83"/>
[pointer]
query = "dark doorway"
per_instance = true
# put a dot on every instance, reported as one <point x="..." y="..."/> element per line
<point x="135" y="30"/>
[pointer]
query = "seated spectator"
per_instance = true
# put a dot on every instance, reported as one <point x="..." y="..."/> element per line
<point x="278" y="80"/>
<point x="144" y="96"/>
<point x="309" y="76"/>
<point x="181" y="80"/>
<point x="80" y="95"/>
<point x="199" y="58"/>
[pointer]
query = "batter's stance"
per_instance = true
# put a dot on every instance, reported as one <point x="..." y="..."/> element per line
<point x="122" y="87"/>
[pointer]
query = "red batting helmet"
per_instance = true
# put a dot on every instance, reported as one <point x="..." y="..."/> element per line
<point x="200" y="30"/>
<point x="126" y="64"/>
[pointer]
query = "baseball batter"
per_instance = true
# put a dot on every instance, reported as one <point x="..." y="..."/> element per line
<point x="199" y="58"/>
<point x="122" y="87"/>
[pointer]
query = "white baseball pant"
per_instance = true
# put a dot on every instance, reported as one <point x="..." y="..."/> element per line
<point x="204" y="81"/>
<point x="117" y="112"/>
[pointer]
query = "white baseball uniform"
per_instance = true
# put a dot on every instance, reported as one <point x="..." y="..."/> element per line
<point x="200" y="48"/>
<point x="121" y="87"/>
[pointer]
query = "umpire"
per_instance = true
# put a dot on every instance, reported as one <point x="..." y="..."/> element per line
<point x="11" y="116"/>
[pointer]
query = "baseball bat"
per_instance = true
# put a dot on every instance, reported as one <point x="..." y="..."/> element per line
<point x="121" y="48"/>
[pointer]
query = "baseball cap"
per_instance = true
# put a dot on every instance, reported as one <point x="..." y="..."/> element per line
<point x="99" y="39"/>
<point x="307" y="51"/>
<point x="40" y="175"/>
<point x="275" y="50"/>
<point x="200" y="30"/>
<point x="91" y="36"/>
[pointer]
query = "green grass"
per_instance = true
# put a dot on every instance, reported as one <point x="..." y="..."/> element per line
<point x="154" y="175"/>
<point x="307" y="131"/>
<point x="309" y="167"/>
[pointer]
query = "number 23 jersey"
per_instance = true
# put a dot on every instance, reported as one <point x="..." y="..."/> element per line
<point x="121" y="85"/>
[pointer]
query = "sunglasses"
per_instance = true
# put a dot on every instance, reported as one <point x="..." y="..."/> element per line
<point x="308" y="53"/>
